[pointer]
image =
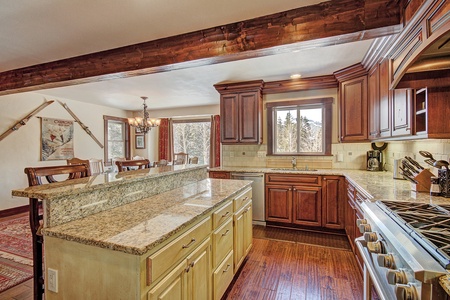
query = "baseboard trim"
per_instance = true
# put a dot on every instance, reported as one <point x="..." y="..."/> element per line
<point x="13" y="211"/>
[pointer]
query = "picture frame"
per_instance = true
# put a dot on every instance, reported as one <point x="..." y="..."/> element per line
<point x="137" y="130"/>
<point x="139" y="142"/>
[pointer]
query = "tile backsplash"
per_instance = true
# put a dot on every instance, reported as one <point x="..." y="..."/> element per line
<point x="344" y="155"/>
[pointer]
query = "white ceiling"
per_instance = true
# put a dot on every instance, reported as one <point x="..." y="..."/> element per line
<point x="34" y="32"/>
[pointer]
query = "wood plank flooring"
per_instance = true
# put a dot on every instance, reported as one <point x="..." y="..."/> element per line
<point x="289" y="270"/>
<point x="280" y="269"/>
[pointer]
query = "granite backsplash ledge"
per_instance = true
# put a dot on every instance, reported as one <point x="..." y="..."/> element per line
<point x="76" y="199"/>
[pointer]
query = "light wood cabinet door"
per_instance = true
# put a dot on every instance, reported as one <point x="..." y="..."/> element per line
<point x="173" y="286"/>
<point x="279" y="203"/>
<point x="242" y="234"/>
<point x="307" y="205"/>
<point x="333" y="202"/>
<point x="199" y="273"/>
<point x="402" y="111"/>
<point x="353" y="109"/>
<point x="223" y="276"/>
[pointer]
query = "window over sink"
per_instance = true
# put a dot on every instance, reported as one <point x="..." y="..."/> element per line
<point x="299" y="127"/>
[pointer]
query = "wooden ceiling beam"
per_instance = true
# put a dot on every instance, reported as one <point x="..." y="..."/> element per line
<point x="328" y="23"/>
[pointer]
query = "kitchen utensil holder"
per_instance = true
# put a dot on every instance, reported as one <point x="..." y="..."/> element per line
<point x="444" y="182"/>
<point x="423" y="181"/>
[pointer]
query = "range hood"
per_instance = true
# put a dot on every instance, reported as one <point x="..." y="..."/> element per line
<point x="434" y="58"/>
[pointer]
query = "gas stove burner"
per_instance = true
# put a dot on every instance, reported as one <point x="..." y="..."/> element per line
<point x="428" y="224"/>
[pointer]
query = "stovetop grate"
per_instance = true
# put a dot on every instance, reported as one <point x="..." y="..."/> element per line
<point x="428" y="224"/>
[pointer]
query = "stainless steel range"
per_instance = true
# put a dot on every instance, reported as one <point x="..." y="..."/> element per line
<point x="405" y="248"/>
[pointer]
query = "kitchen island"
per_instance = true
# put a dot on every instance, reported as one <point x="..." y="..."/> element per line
<point x="187" y="240"/>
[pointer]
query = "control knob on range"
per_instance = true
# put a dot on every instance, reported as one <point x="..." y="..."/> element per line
<point x="370" y="236"/>
<point x="375" y="247"/>
<point x="386" y="261"/>
<point x="396" y="276"/>
<point x="406" y="292"/>
<point x="363" y="226"/>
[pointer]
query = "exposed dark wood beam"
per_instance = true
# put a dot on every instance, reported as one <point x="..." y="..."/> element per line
<point x="328" y="23"/>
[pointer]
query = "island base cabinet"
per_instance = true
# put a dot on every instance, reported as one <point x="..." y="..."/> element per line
<point x="88" y="272"/>
<point x="223" y="276"/>
<point x="242" y="234"/>
<point x="190" y="280"/>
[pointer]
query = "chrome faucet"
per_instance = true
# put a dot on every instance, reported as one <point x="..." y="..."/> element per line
<point x="294" y="162"/>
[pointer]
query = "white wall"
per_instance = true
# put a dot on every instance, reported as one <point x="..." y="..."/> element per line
<point x="22" y="148"/>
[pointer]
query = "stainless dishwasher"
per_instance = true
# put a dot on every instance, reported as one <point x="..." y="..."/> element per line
<point x="259" y="214"/>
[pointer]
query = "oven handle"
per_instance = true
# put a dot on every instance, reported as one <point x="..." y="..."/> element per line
<point x="369" y="270"/>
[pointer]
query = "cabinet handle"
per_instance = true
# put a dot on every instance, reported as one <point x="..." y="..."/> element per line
<point x="226" y="214"/>
<point x="226" y="232"/>
<point x="248" y="209"/>
<point x="190" y="244"/>
<point x="226" y="270"/>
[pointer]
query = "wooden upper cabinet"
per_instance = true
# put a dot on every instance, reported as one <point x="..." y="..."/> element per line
<point x="353" y="103"/>
<point x="402" y="112"/>
<point x="374" y="102"/>
<point x="385" y="108"/>
<point x="241" y="112"/>
<point x="229" y="113"/>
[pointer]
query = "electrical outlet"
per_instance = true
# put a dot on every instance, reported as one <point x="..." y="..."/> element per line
<point x="52" y="280"/>
<point x="349" y="153"/>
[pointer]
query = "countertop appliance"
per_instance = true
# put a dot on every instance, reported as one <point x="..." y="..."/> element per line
<point x="259" y="214"/>
<point x="405" y="248"/>
<point x="374" y="160"/>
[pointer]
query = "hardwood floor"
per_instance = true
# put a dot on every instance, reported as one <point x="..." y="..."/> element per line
<point x="289" y="270"/>
<point x="279" y="269"/>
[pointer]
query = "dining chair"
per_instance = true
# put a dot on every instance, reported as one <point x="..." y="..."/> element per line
<point x="193" y="160"/>
<point x="113" y="163"/>
<point x="180" y="158"/>
<point x="161" y="163"/>
<point x="96" y="166"/>
<point x="35" y="177"/>
<point x="129" y="165"/>
<point x="137" y="157"/>
<point x="77" y="161"/>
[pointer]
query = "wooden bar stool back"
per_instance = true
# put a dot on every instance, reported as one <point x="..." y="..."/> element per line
<point x="35" y="177"/>
<point x="128" y="165"/>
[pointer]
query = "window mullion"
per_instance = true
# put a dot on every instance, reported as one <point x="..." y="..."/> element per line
<point x="298" y="130"/>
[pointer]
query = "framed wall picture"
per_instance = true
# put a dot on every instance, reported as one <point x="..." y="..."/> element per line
<point x="139" y="142"/>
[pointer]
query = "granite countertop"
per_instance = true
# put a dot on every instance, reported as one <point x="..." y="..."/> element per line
<point x="139" y="226"/>
<point x="374" y="185"/>
<point x="69" y="187"/>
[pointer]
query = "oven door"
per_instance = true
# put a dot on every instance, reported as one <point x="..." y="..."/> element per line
<point x="374" y="275"/>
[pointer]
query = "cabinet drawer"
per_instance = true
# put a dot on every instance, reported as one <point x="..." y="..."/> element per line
<point x="159" y="262"/>
<point x="241" y="199"/>
<point x="222" y="276"/>
<point x="221" y="215"/>
<point x="222" y="242"/>
<point x="219" y="174"/>
<point x="294" y="179"/>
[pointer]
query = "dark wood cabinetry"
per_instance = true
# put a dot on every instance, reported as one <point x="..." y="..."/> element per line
<point x="333" y="195"/>
<point x="402" y="112"/>
<point x="307" y="205"/>
<point x="306" y="200"/>
<point x="353" y="103"/>
<point x="385" y="102"/>
<point x="352" y="213"/>
<point x="220" y="174"/>
<point x="373" y="79"/>
<point x="241" y="112"/>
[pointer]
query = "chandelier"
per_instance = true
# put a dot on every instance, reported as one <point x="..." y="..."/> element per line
<point x="143" y="124"/>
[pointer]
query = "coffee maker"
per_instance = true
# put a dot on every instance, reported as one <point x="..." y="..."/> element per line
<point x="374" y="160"/>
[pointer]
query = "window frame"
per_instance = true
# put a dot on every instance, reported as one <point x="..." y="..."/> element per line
<point x="106" y="119"/>
<point x="193" y="120"/>
<point x="325" y="103"/>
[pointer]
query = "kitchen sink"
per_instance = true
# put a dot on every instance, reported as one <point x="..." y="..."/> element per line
<point x="293" y="169"/>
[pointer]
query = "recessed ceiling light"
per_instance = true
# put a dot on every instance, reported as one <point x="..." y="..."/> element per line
<point x="296" y="76"/>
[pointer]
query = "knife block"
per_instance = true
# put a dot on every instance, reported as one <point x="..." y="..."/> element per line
<point x="423" y="181"/>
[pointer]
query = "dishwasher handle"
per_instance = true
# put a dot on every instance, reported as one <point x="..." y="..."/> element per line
<point x="242" y="175"/>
